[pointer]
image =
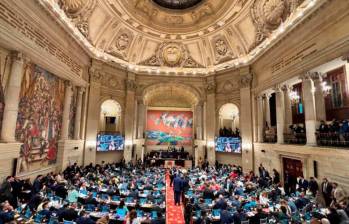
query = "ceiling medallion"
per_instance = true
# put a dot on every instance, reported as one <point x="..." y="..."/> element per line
<point x="172" y="54"/>
<point x="177" y="4"/>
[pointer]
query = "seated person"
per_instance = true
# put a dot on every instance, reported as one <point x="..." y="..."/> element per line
<point x="6" y="213"/>
<point x="84" y="218"/>
<point x="258" y="216"/>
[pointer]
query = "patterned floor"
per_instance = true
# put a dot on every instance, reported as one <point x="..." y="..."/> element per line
<point x="174" y="214"/>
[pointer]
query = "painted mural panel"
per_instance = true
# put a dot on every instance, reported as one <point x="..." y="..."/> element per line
<point x="169" y="127"/>
<point x="39" y="118"/>
<point x="72" y="113"/>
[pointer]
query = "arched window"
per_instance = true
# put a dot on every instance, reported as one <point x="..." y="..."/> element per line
<point x="110" y="116"/>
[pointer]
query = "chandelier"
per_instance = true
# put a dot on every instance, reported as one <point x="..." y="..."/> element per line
<point x="326" y="89"/>
<point x="294" y="97"/>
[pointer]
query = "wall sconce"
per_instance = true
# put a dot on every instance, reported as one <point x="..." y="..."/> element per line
<point x="294" y="97"/>
<point x="326" y="89"/>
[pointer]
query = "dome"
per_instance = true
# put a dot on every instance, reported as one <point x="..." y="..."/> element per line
<point x="180" y="37"/>
<point x="177" y="4"/>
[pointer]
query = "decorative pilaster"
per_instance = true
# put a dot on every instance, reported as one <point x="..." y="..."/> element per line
<point x="93" y="113"/>
<point x="266" y="97"/>
<point x="129" y="115"/>
<point x="12" y="98"/>
<point x="309" y="108"/>
<point x="280" y="114"/>
<point x="66" y="110"/>
<point x="246" y="119"/>
<point x="211" y="121"/>
<point x="319" y="96"/>
<point x="141" y="119"/>
<point x="199" y="120"/>
<point x="288" y="108"/>
<point x="77" y="121"/>
<point x="260" y="120"/>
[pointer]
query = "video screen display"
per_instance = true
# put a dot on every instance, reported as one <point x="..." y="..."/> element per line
<point x="228" y="144"/>
<point x="110" y="142"/>
<point x="169" y="127"/>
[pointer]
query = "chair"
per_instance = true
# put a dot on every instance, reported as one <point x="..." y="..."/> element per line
<point x="245" y="222"/>
<point x="53" y="220"/>
<point x="116" y="198"/>
<point x="38" y="218"/>
<point x="154" y="214"/>
<point x="263" y="221"/>
<point x="216" y="212"/>
<point x="104" y="208"/>
<point x="90" y="207"/>
<point x="68" y="222"/>
<point x="27" y="214"/>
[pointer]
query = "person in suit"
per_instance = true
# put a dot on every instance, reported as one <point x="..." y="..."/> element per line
<point x="84" y="218"/>
<point x="276" y="177"/>
<point x="239" y="216"/>
<point x="326" y="189"/>
<point x="258" y="216"/>
<point x="302" y="184"/>
<point x="226" y="217"/>
<point x="6" y="190"/>
<point x="221" y="203"/>
<point x="313" y="186"/>
<point x="177" y="188"/>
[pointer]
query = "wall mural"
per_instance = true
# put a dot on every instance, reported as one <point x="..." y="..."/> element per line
<point x="39" y="118"/>
<point x="169" y="127"/>
<point x="72" y="113"/>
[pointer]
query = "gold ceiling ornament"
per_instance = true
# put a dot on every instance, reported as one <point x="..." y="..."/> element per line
<point x="172" y="54"/>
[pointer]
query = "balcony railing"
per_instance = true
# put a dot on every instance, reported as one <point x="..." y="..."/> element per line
<point x="295" y="138"/>
<point x="332" y="139"/>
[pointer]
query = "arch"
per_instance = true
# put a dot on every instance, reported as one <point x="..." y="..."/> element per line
<point x="111" y="109"/>
<point x="229" y="116"/>
<point x="186" y="93"/>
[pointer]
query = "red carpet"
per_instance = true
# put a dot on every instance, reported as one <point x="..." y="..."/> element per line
<point x="174" y="214"/>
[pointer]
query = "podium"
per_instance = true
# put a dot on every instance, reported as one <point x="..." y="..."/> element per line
<point x="169" y="163"/>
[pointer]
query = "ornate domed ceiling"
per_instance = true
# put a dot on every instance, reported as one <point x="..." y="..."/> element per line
<point x="146" y="36"/>
<point x="177" y="4"/>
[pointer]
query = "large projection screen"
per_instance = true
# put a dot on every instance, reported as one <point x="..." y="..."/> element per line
<point x="166" y="127"/>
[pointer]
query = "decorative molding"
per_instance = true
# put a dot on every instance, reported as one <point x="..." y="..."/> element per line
<point x="246" y="80"/>
<point x="172" y="54"/>
<point x="268" y="15"/>
<point x="37" y="37"/>
<point x="131" y="85"/>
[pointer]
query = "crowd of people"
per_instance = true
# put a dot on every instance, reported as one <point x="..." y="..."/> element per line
<point x="228" y="132"/>
<point x="223" y="194"/>
<point x="106" y="193"/>
<point x="334" y="133"/>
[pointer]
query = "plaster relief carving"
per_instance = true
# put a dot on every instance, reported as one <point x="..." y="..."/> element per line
<point x="172" y="54"/>
<point x="121" y="44"/>
<point x="246" y="80"/>
<point x="79" y="11"/>
<point x="268" y="15"/>
<point x="222" y="50"/>
<point x="205" y="10"/>
<point x="174" y="20"/>
<point x="146" y="7"/>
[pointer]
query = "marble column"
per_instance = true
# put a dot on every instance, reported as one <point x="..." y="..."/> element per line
<point x="309" y="108"/>
<point x="12" y="99"/>
<point x="280" y="114"/>
<point x="129" y="116"/>
<point x="319" y="97"/>
<point x="288" y="108"/>
<point x="66" y="110"/>
<point x="199" y="124"/>
<point x="246" y="119"/>
<point x="260" y="120"/>
<point x="266" y="97"/>
<point x="77" y="121"/>
<point x="141" y="119"/>
<point x="211" y="120"/>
